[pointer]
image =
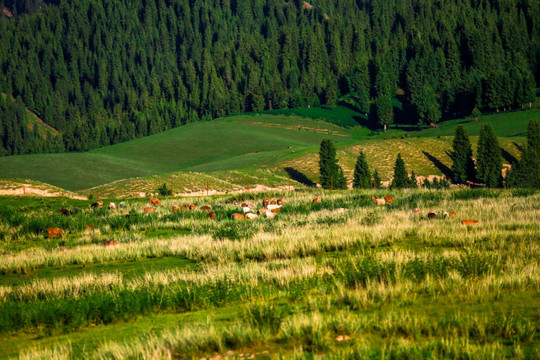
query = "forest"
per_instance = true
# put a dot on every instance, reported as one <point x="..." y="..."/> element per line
<point x="103" y="72"/>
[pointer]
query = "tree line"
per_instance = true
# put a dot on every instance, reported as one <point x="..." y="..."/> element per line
<point x="103" y="72"/>
<point x="486" y="169"/>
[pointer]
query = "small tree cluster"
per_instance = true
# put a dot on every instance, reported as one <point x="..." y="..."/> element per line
<point x="489" y="159"/>
<point x="164" y="190"/>
<point x="462" y="161"/>
<point x="436" y="184"/>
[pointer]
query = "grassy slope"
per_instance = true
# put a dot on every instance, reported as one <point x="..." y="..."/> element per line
<point x="274" y="140"/>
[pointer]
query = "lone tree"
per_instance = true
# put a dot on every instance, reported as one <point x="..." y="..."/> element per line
<point x="462" y="161"/>
<point x="329" y="168"/>
<point x="362" y="175"/>
<point x="489" y="159"/>
<point x="526" y="172"/>
<point x="401" y="179"/>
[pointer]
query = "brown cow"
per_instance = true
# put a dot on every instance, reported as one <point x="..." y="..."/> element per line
<point x="109" y="243"/>
<point x="431" y="215"/>
<point x="251" y="216"/>
<point x="237" y="216"/>
<point x="452" y="214"/>
<point x="192" y="207"/>
<point x="212" y="215"/>
<point x="175" y="209"/>
<point x="262" y="211"/>
<point x="317" y="200"/>
<point x="469" y="222"/>
<point x="97" y="204"/>
<point x="89" y="226"/>
<point x="64" y="212"/>
<point x="206" y="208"/>
<point x="149" y="209"/>
<point x="378" y="202"/>
<point x="374" y="198"/>
<point x="280" y="202"/>
<point x="54" y="232"/>
<point x="273" y="202"/>
<point x="416" y="210"/>
<point x="154" y="201"/>
<point x="276" y="210"/>
<point x="266" y="202"/>
<point x="388" y="199"/>
<point x="184" y="207"/>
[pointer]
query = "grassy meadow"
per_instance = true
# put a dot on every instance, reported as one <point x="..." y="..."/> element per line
<point x="342" y="279"/>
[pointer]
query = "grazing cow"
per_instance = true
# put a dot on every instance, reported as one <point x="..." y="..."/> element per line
<point x="149" y="209"/>
<point x="445" y="214"/>
<point x="154" y="201"/>
<point x="469" y="222"/>
<point x="251" y="216"/>
<point x="269" y="214"/>
<point x="237" y="216"/>
<point x="280" y="202"/>
<point x="112" y="206"/>
<point x="266" y="202"/>
<point x="273" y="202"/>
<point x="184" y="207"/>
<point x="212" y="215"/>
<point x="273" y="206"/>
<point x="54" y="232"/>
<point x="246" y="208"/>
<point x="377" y="201"/>
<point x="317" y="200"/>
<point x="262" y="211"/>
<point x="452" y="214"/>
<point x="175" y="209"/>
<point x="192" y="207"/>
<point x="96" y="204"/>
<point x="109" y="243"/>
<point x="122" y="205"/>
<point x="416" y="210"/>
<point x="276" y="210"/>
<point x="431" y="215"/>
<point x="64" y="212"/>
<point x="341" y="210"/>
<point x="206" y="208"/>
<point x="388" y="199"/>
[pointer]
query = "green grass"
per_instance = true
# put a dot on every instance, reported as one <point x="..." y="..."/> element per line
<point x="394" y="282"/>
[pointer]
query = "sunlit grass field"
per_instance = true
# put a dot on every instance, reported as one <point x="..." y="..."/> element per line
<point x="315" y="281"/>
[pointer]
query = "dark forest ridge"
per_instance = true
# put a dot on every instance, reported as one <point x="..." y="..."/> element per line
<point x="104" y="72"/>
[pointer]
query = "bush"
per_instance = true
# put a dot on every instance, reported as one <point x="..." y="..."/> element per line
<point x="164" y="190"/>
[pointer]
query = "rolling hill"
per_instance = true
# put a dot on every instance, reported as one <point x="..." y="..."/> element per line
<point x="232" y="148"/>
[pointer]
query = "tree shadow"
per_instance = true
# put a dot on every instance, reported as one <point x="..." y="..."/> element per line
<point x="300" y="177"/>
<point x="519" y="147"/>
<point x="443" y="168"/>
<point x="509" y="158"/>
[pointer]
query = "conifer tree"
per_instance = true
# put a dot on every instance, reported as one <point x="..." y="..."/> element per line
<point x="462" y="162"/>
<point x="401" y="179"/>
<point x="331" y="174"/>
<point x="377" y="180"/>
<point x="526" y="172"/>
<point x="362" y="175"/>
<point x="413" y="183"/>
<point x="489" y="158"/>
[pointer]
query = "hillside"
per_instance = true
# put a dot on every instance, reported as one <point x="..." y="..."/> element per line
<point x="230" y="149"/>
<point x="104" y="72"/>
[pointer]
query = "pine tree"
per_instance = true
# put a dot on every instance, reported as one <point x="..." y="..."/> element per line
<point x="362" y="175"/>
<point x="462" y="162"/>
<point x="413" y="183"/>
<point x="330" y="171"/>
<point x="401" y="179"/>
<point x="526" y="172"/>
<point x="377" y="180"/>
<point x="489" y="158"/>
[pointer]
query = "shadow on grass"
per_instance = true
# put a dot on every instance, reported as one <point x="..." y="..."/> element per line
<point x="299" y="176"/>
<point x="509" y="158"/>
<point x="519" y="147"/>
<point x="443" y="168"/>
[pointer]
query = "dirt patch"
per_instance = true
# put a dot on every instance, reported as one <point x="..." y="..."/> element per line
<point x="29" y="190"/>
<point x="257" y="188"/>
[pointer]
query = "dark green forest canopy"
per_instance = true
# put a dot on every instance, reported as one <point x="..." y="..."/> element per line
<point x="103" y="72"/>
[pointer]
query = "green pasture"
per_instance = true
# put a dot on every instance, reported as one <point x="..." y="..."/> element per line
<point x="312" y="282"/>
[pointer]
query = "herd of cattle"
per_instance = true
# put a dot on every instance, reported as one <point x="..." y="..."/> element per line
<point x="268" y="209"/>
